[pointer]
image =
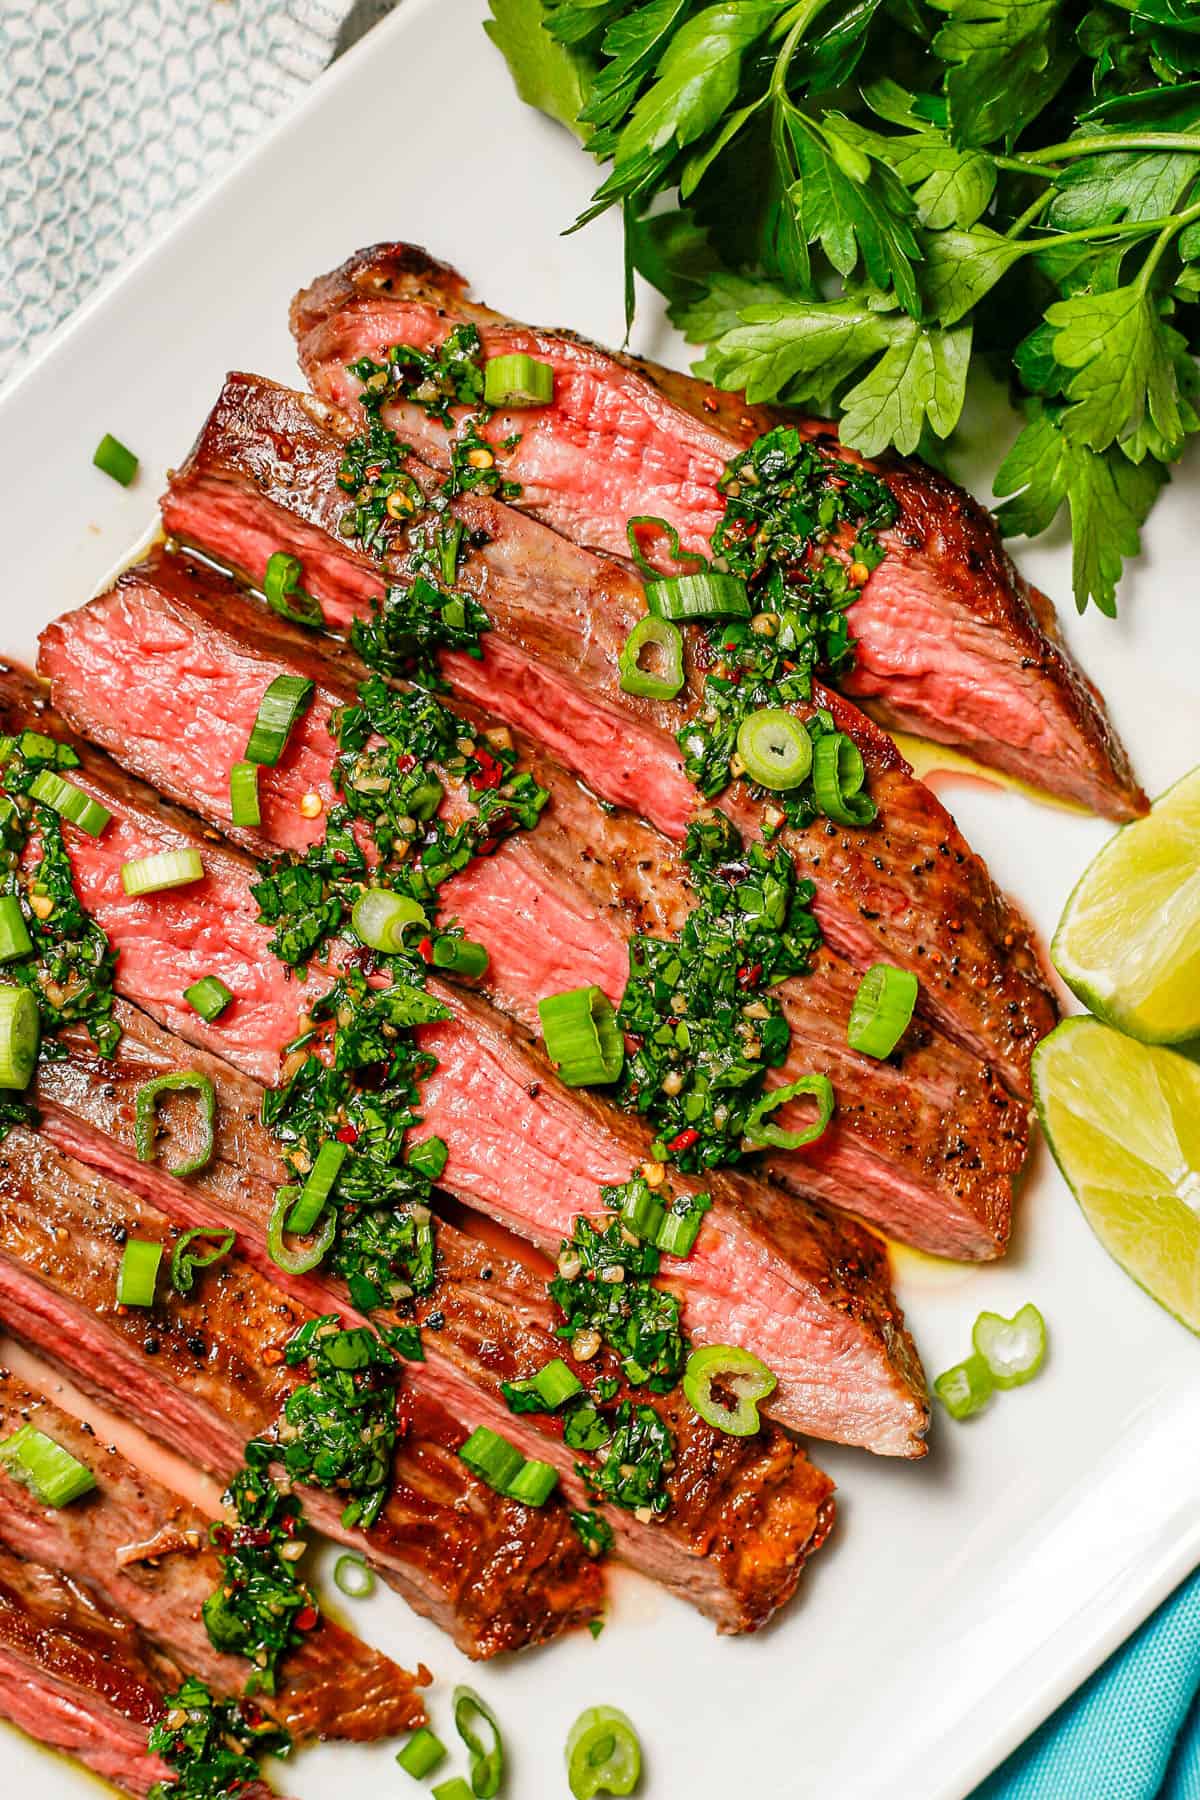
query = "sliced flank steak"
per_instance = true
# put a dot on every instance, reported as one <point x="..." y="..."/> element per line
<point x="828" y="1326"/>
<point x="205" y="1373"/>
<point x="165" y="671"/>
<point x="521" y="1146"/>
<point x="146" y="1553"/>
<point x="953" y="644"/>
<point x="79" y="1678"/>
<point x="745" y="1513"/>
<point x="906" y="890"/>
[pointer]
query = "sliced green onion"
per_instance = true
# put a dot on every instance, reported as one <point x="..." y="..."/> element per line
<point x="1012" y="1349"/>
<point x="36" y="746"/>
<point x="641" y="1213"/>
<point x="381" y="918"/>
<point x="775" y="747"/>
<point x="487" y="1759"/>
<point x="533" y="1484"/>
<point x="293" y="1261"/>
<point x="20" y="1036"/>
<point x="352" y="1577"/>
<point x="282" y="704"/>
<point x="14" y="933"/>
<point x="318" y="1187"/>
<point x="664" y="678"/>
<point x="604" y="1755"/>
<point x="677" y="1234"/>
<point x="428" y="1157"/>
<point x="882" y="1009"/>
<point x="209" y="997"/>
<point x="838" y="776"/>
<point x="966" y="1388"/>
<point x="69" y="801"/>
<point x="678" y="556"/>
<point x="423" y="1752"/>
<point x="145" y="1128"/>
<point x="165" y="869"/>
<point x="244" y="809"/>
<point x="137" y="1276"/>
<point x="284" y="595"/>
<point x="582" y="1036"/>
<point x="112" y="458"/>
<point x="454" y="1789"/>
<point x="51" y="1474"/>
<point x="460" y="956"/>
<point x="720" y="1370"/>
<point x="759" y="1134"/>
<point x="517" y="380"/>
<point x="492" y="1458"/>
<point x="555" y="1383"/>
<point x="709" y="595"/>
<point x="185" y="1261"/>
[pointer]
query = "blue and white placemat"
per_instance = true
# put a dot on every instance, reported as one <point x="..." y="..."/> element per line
<point x="114" y="112"/>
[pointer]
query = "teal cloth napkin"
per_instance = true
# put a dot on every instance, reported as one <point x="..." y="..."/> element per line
<point x="1132" y="1732"/>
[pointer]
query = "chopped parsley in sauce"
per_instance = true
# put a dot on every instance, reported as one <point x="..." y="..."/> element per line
<point x="610" y="1295"/>
<point x="414" y="533"/>
<point x="787" y="508"/>
<point x="70" y="970"/>
<point x="703" y="1024"/>
<point x="261" y="1608"/>
<point x="339" y="1429"/>
<point x="211" y="1745"/>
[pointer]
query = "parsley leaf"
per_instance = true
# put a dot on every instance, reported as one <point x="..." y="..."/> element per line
<point x="921" y="377"/>
<point x="547" y="74"/>
<point x="1109" y="498"/>
<point x="1123" y="355"/>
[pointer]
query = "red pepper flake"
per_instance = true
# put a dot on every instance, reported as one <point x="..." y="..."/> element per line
<point x="222" y="1536"/>
<point x="687" y="1137"/>
<point x="425" y="949"/>
<point x="306" y="1618"/>
<point x="749" y="974"/>
<point x="490" y="773"/>
<point x="272" y="1355"/>
<point x="348" y="1134"/>
<point x="404" y="763"/>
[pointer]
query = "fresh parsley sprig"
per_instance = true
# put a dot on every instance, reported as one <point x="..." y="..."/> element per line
<point x="872" y="196"/>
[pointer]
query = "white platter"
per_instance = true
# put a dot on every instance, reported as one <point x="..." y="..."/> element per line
<point x="961" y="1599"/>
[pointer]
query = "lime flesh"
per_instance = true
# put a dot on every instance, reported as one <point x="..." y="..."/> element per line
<point x="1129" y="940"/>
<point x="1123" y="1121"/>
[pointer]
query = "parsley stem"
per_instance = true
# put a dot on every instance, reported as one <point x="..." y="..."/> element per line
<point x="804" y="14"/>
<point x="1171" y="228"/>
<point x="1030" y="214"/>
<point x="1103" y="143"/>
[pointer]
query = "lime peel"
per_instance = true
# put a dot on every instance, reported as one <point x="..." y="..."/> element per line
<point x="1122" y="1119"/>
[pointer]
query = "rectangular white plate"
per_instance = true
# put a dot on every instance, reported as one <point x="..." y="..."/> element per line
<point x="961" y="1598"/>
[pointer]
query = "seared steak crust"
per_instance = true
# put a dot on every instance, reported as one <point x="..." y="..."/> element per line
<point x="908" y="890"/>
<point x="522" y="1147"/>
<point x="164" y="671"/>
<point x="145" y="1552"/>
<point x="205" y="1374"/>
<point x="78" y="1677"/>
<point x="746" y="1512"/>
<point x="953" y="643"/>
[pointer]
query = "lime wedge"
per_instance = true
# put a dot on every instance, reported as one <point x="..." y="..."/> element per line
<point x="1129" y="941"/>
<point x="1123" y="1121"/>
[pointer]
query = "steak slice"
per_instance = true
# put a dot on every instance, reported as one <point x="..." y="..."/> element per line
<point x="165" y="671"/>
<point x="745" y="1512"/>
<point x="953" y="644"/>
<point x="205" y="1374"/>
<point x="77" y="1677"/>
<point x="521" y="1147"/>
<point x="907" y="891"/>
<point x="145" y="1553"/>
